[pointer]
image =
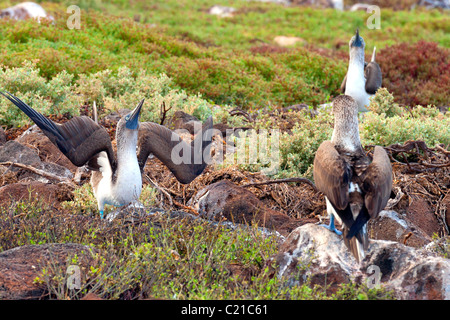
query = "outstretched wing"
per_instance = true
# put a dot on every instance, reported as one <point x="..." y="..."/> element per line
<point x="79" y="139"/>
<point x="185" y="161"/>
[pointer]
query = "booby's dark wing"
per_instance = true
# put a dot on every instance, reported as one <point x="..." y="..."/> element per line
<point x="332" y="176"/>
<point x="376" y="186"/>
<point x="377" y="182"/>
<point x="185" y="161"/>
<point x="343" y="84"/>
<point x="79" y="139"/>
<point x="372" y="73"/>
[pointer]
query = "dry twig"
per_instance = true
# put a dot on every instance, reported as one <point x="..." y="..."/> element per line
<point x="302" y="180"/>
<point x="160" y="189"/>
<point x="164" y="112"/>
<point x="428" y="159"/>
<point x="239" y="112"/>
<point x="40" y="172"/>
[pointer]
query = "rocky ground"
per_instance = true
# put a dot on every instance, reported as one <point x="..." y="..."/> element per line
<point x="407" y="237"/>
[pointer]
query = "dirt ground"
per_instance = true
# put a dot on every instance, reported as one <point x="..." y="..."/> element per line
<point x="421" y="186"/>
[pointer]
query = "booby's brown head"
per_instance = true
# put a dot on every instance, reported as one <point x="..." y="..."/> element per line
<point x="345" y="107"/>
<point x="346" y="127"/>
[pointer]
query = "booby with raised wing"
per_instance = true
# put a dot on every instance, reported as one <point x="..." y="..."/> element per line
<point x="362" y="79"/>
<point x="117" y="180"/>
<point x="185" y="161"/>
<point x="356" y="187"/>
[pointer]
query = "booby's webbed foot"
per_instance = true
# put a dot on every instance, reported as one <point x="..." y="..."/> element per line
<point x="101" y="214"/>
<point x="331" y="226"/>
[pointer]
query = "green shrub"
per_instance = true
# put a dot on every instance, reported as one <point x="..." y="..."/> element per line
<point x="389" y="124"/>
<point x="157" y="257"/>
<point x="383" y="103"/>
<point x="210" y="56"/>
<point x="110" y="90"/>
<point x="48" y="97"/>
<point x="384" y="131"/>
<point x="299" y="147"/>
<point x="223" y="76"/>
<point x="123" y="90"/>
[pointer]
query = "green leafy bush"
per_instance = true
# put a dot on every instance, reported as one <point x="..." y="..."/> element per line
<point x="210" y="56"/>
<point x="110" y="90"/>
<point x="54" y="96"/>
<point x="161" y="256"/>
<point x="382" y="130"/>
<point x="389" y="124"/>
<point x="222" y="76"/>
<point x="383" y="103"/>
<point x="299" y="147"/>
<point x="123" y="90"/>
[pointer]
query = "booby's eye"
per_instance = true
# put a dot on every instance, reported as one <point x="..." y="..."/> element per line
<point x="127" y="117"/>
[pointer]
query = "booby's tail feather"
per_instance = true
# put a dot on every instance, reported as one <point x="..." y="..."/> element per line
<point x="359" y="223"/>
<point x="358" y="244"/>
<point x="373" y="54"/>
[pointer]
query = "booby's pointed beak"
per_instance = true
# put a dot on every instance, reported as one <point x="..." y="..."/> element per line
<point x="358" y="40"/>
<point x="132" y="119"/>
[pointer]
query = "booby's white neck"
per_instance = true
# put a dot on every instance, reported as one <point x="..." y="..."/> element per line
<point x="127" y="163"/>
<point x="127" y="183"/>
<point x="356" y="81"/>
<point x="346" y="133"/>
<point x="355" y="74"/>
<point x="126" y="146"/>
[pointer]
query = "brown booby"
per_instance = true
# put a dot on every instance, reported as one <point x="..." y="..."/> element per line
<point x="356" y="187"/>
<point x="362" y="79"/>
<point x="117" y="178"/>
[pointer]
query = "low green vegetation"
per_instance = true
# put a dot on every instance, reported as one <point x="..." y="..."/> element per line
<point x="111" y="92"/>
<point x="159" y="257"/>
<point x="258" y="22"/>
<point x="226" y="60"/>
<point x="237" y="77"/>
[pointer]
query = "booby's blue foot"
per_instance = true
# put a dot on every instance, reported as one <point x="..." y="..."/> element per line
<point x="101" y="214"/>
<point x="331" y="226"/>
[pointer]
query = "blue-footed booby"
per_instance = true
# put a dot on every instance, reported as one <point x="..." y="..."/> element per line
<point x="117" y="179"/>
<point x="356" y="187"/>
<point x="362" y="79"/>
